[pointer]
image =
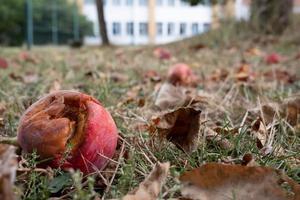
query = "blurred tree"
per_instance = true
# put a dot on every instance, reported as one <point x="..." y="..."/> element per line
<point x="102" y="23"/>
<point x="267" y="16"/>
<point x="271" y="16"/>
<point x="13" y="21"/>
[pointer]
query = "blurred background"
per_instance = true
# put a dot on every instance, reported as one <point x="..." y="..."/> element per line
<point x="131" y="22"/>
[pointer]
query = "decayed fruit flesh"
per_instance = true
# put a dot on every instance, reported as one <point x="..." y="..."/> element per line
<point x="71" y="129"/>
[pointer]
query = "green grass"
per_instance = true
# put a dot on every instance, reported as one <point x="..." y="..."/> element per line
<point x="86" y="70"/>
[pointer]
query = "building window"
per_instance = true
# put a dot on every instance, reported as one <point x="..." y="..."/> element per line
<point x="116" y="2"/>
<point x="195" y="28"/>
<point x="159" y="28"/>
<point x="143" y="28"/>
<point x="171" y="2"/>
<point x="130" y="28"/>
<point x="171" y="28"/>
<point x="183" y="3"/>
<point x="143" y="2"/>
<point x="116" y="28"/>
<point x="129" y="2"/>
<point x="182" y="28"/>
<point x="159" y="2"/>
<point x="206" y="26"/>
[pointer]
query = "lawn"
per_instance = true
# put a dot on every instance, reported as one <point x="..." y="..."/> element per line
<point x="126" y="80"/>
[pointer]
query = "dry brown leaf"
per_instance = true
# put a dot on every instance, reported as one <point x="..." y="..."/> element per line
<point x="170" y="97"/>
<point x="8" y="166"/>
<point x="219" y="74"/>
<point x="55" y="86"/>
<point x="254" y="52"/>
<point x="218" y="181"/>
<point x="291" y="108"/>
<point x="248" y="160"/>
<point x="2" y="108"/>
<point x="181" y="127"/>
<point x="280" y="75"/>
<point x="213" y="136"/>
<point x="150" y="188"/>
<point x="259" y="131"/>
<point x="270" y="111"/>
<point x="244" y="73"/>
<point x="152" y="75"/>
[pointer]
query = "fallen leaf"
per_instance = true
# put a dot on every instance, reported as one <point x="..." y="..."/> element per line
<point x="254" y="51"/>
<point x="219" y="74"/>
<point x="162" y="53"/>
<point x="270" y="111"/>
<point x="3" y="63"/>
<point x="170" y="97"/>
<point x="288" y="109"/>
<point x="291" y="109"/>
<point x="8" y="166"/>
<point x="218" y="181"/>
<point x="280" y="75"/>
<point x="118" y="77"/>
<point x="150" y="188"/>
<point x="55" y="86"/>
<point x="213" y="136"/>
<point x="2" y="108"/>
<point x="180" y="127"/>
<point x="248" y="160"/>
<point x="198" y="46"/>
<point x="244" y="73"/>
<point x="259" y="131"/>
<point x="152" y="75"/>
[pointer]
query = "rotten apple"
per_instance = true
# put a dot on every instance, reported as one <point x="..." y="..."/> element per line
<point x="181" y="74"/>
<point x="70" y="129"/>
<point x="273" y="58"/>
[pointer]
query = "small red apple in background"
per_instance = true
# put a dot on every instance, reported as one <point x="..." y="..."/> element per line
<point x="3" y="63"/>
<point x="27" y="57"/>
<point x="273" y="58"/>
<point x="181" y="74"/>
<point x="162" y="53"/>
<point x="71" y="129"/>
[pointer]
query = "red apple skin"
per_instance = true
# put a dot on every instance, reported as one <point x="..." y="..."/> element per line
<point x="50" y="138"/>
<point x="181" y="74"/>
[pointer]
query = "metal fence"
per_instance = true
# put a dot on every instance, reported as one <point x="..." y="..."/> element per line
<point x="44" y="24"/>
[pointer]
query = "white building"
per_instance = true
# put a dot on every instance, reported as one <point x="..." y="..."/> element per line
<point x="129" y="21"/>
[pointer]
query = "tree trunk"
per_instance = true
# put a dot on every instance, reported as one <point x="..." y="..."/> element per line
<point x="102" y="23"/>
<point x="271" y="16"/>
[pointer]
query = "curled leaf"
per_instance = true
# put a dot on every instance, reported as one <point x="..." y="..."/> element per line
<point x="150" y="188"/>
<point x="259" y="131"/>
<point x="8" y="166"/>
<point x="180" y="127"/>
<point x="220" y="182"/>
<point x="213" y="136"/>
<point x="170" y="97"/>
